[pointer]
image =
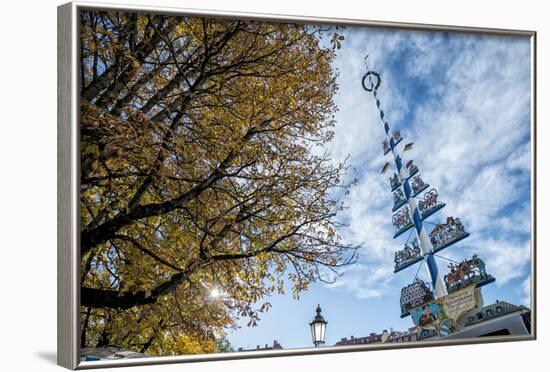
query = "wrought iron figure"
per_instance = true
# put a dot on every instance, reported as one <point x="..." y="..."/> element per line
<point x="429" y="202"/>
<point x="413" y="169"/>
<point x="459" y="275"/>
<point x="480" y="264"/>
<point x="394" y="181"/>
<point x="467" y="269"/>
<point x="399" y="259"/>
<point x="402" y="219"/>
<point x="458" y="224"/>
<point x="444" y="233"/>
<point x="430" y="198"/>
<point x="464" y="273"/>
<point x="398" y="198"/>
<point x="451" y="267"/>
<point x="408" y="254"/>
<point x="417" y="184"/>
<point x="415" y="248"/>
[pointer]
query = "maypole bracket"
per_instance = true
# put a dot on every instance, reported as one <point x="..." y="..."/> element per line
<point x="373" y="86"/>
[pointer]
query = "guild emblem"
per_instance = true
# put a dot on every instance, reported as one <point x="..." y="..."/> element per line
<point x="429" y="204"/>
<point x="445" y="234"/>
<point x="406" y="256"/>
<point x="413" y="169"/>
<point x="418" y="185"/>
<point x="465" y="273"/>
<point x="402" y="221"/>
<point x="398" y="199"/>
<point x="394" y="182"/>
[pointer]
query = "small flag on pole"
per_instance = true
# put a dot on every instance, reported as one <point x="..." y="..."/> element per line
<point x="408" y="147"/>
<point x="386" y="167"/>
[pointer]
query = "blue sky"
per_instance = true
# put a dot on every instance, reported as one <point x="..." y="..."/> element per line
<point x="465" y="101"/>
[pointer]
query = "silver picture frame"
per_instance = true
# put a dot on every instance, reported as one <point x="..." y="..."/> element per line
<point x="68" y="170"/>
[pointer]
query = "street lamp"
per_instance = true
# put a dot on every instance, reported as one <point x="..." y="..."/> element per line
<point x="318" y="328"/>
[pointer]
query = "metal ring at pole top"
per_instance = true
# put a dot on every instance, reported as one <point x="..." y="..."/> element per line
<point x="373" y="86"/>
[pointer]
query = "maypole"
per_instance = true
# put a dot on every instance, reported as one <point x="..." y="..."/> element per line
<point x="407" y="187"/>
<point x="403" y="179"/>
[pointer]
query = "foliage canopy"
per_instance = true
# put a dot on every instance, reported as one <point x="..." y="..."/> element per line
<point x="201" y="173"/>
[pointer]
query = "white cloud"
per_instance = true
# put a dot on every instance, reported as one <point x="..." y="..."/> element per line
<point x="365" y="281"/>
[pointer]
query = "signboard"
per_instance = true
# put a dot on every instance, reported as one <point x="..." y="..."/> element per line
<point x="459" y="302"/>
<point x="414" y="295"/>
<point x="442" y="314"/>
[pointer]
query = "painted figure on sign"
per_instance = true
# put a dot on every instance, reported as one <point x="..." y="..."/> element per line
<point x="427" y="317"/>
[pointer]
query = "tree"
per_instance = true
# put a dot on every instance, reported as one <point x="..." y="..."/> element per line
<point x="200" y="172"/>
<point x="224" y="346"/>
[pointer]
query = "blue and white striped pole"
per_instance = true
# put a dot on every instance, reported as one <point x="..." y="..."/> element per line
<point x="429" y="261"/>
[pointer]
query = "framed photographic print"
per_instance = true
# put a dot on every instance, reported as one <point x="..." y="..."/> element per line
<point x="247" y="185"/>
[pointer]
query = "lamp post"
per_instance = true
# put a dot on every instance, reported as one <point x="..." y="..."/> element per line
<point x="318" y="328"/>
